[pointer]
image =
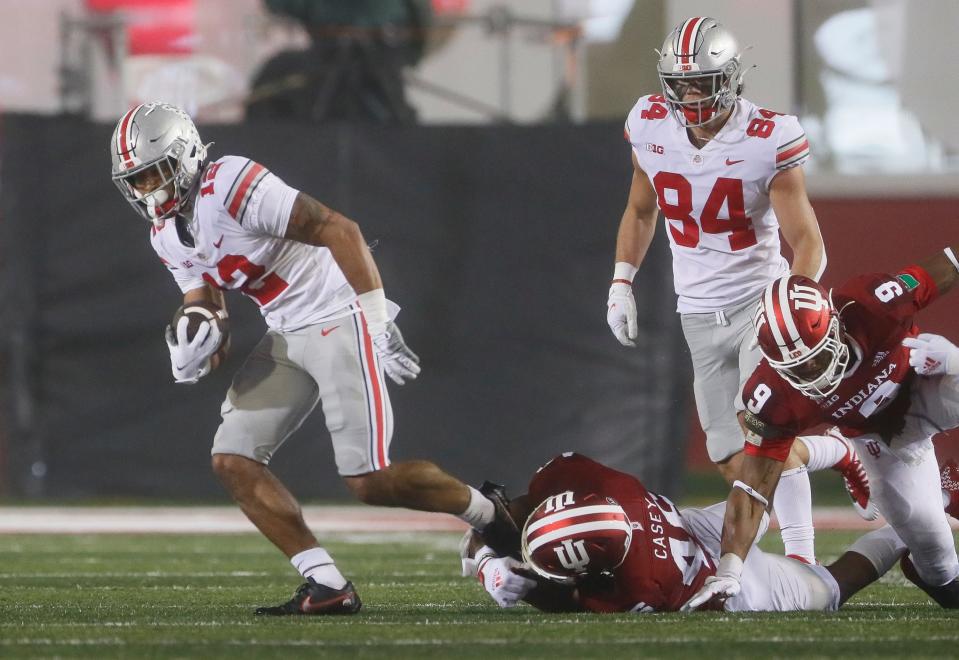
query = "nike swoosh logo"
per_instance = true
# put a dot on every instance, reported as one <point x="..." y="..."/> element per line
<point x="722" y="50"/>
<point x="326" y="331"/>
<point x="309" y="605"/>
<point x="219" y="242"/>
<point x="733" y="162"/>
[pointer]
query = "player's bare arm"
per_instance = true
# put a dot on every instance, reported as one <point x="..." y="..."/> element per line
<point x="315" y="223"/>
<point x="748" y="500"/>
<point x="638" y="225"/>
<point x="797" y="221"/>
<point x="205" y="293"/>
<point x="943" y="268"/>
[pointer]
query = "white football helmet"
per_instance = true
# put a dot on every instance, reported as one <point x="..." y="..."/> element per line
<point x="161" y="138"/>
<point x="700" y="53"/>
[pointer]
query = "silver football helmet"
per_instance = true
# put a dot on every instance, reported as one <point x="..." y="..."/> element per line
<point x="157" y="159"/>
<point x="702" y="54"/>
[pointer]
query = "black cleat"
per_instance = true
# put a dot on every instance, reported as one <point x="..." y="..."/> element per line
<point x="502" y="535"/>
<point x="947" y="595"/>
<point x="315" y="598"/>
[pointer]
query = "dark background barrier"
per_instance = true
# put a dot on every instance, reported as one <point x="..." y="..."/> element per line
<point x="497" y="242"/>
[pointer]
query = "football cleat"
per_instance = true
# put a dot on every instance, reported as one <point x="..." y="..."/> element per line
<point x="502" y="535"/>
<point x="949" y="478"/>
<point x="856" y="481"/>
<point x="315" y="598"/>
<point x="947" y="595"/>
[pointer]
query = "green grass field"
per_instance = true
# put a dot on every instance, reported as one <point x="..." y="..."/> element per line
<point x="160" y="596"/>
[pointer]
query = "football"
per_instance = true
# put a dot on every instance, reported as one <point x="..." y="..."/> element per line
<point x="197" y="313"/>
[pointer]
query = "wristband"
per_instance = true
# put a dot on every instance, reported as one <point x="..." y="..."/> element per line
<point x="373" y="304"/>
<point x="752" y="492"/>
<point x="730" y="566"/>
<point x="950" y="255"/>
<point x="624" y="272"/>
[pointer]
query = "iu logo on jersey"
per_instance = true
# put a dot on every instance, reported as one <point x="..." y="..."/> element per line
<point x="572" y="555"/>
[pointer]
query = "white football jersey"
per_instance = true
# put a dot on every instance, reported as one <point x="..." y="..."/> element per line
<point x="240" y="215"/>
<point x="722" y="230"/>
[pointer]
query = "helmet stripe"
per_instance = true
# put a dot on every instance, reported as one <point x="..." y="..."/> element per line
<point x="125" y="136"/>
<point x="788" y="319"/>
<point x="772" y="313"/>
<point x="688" y="38"/>
<point x="572" y="513"/>
<point x="581" y="528"/>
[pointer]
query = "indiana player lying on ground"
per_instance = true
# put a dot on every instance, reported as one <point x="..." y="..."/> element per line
<point x="230" y="224"/>
<point x="728" y="177"/>
<point x="843" y="357"/>
<point x="595" y="539"/>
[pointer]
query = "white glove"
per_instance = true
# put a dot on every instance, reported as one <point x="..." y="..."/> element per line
<point x="497" y="577"/>
<point x="725" y="584"/>
<point x="932" y="355"/>
<point x="190" y="359"/>
<point x="399" y="362"/>
<point x="621" y="313"/>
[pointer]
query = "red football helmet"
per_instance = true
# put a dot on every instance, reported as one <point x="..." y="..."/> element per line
<point x="800" y="334"/>
<point x="569" y="536"/>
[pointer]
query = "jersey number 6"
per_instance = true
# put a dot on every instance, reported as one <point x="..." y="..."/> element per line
<point x="738" y="224"/>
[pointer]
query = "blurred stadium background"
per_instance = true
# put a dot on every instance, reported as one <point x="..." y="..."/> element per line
<point x="478" y="142"/>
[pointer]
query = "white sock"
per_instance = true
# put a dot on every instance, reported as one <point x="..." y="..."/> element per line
<point x="317" y="564"/>
<point x="882" y="547"/>
<point x="824" y="451"/>
<point x="479" y="512"/>
<point x="793" y="507"/>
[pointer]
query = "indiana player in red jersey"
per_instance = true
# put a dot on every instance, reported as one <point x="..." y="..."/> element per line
<point x="596" y="539"/>
<point x="842" y="358"/>
<point x="728" y="178"/>
<point x="230" y="224"/>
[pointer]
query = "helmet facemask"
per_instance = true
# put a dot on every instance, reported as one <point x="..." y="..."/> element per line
<point x="164" y="199"/>
<point x="820" y="369"/>
<point x="716" y="95"/>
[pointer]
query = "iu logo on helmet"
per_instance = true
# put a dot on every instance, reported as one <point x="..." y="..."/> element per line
<point x="559" y="502"/>
<point x="806" y="297"/>
<point x="572" y="555"/>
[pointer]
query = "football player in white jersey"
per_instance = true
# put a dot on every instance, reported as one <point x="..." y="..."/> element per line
<point x="230" y="224"/>
<point x="727" y="177"/>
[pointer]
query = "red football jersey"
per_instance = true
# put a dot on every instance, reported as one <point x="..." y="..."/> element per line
<point x="665" y="564"/>
<point x="877" y="312"/>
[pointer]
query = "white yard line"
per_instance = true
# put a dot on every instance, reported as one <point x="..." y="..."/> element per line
<point x="229" y="520"/>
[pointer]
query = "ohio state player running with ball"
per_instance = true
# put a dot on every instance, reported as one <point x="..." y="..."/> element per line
<point x="231" y="224"/>
<point x="595" y="539"/>
<point x="843" y="357"/>
<point x="727" y="175"/>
